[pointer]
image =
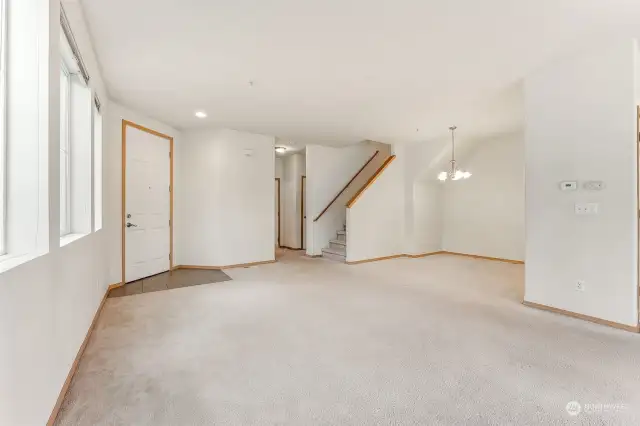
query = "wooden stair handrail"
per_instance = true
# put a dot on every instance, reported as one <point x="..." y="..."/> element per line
<point x="345" y="187"/>
<point x="370" y="181"/>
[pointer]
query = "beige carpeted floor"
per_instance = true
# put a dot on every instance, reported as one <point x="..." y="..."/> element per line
<point x="442" y="340"/>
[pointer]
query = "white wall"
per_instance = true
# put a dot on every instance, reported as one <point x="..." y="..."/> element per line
<point x="581" y="125"/>
<point x="225" y="198"/>
<point x="376" y="223"/>
<point x="424" y="197"/>
<point x="48" y="303"/>
<point x="484" y="215"/>
<point x="328" y="171"/>
<point x="427" y="218"/>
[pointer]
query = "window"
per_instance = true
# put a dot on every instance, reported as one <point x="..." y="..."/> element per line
<point x="65" y="150"/>
<point x="97" y="165"/>
<point x="76" y="145"/>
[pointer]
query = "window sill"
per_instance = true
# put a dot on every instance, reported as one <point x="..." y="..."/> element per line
<point x="9" y="261"/>
<point x="69" y="238"/>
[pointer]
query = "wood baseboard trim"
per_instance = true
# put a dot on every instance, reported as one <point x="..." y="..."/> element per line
<point x="240" y="265"/>
<point x="376" y="259"/>
<point x="291" y="248"/>
<point x="416" y="256"/>
<point x="196" y="267"/>
<point x="475" y="256"/>
<point x="112" y="286"/>
<point x="600" y="321"/>
<point x="76" y="361"/>
<point x="411" y="256"/>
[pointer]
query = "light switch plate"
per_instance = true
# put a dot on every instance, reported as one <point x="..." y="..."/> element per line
<point x="593" y="185"/>
<point x="568" y="186"/>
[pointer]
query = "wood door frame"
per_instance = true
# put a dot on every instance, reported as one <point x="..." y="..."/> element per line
<point x="128" y="123"/>
<point x="303" y="179"/>
<point x="279" y="221"/>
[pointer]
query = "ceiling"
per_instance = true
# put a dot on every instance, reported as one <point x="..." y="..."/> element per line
<point x="341" y="71"/>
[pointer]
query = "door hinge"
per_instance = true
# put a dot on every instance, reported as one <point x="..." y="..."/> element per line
<point x="169" y="222"/>
<point x="169" y="188"/>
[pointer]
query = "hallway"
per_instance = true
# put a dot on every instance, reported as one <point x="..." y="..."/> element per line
<point x="439" y="340"/>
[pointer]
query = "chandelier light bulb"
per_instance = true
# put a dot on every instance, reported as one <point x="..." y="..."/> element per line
<point x="454" y="173"/>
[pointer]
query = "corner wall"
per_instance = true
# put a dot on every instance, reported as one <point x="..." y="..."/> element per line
<point x="484" y="215"/>
<point x="581" y="126"/>
<point x="425" y="218"/>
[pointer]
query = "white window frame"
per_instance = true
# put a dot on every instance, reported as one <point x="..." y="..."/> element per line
<point x="3" y="126"/>
<point x="65" y="149"/>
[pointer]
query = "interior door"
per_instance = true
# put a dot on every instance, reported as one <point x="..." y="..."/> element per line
<point x="277" y="203"/>
<point x="303" y="225"/>
<point x="147" y="204"/>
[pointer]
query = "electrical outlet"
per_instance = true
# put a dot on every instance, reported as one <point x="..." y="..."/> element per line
<point x="580" y="285"/>
<point x="587" y="208"/>
<point x="581" y="209"/>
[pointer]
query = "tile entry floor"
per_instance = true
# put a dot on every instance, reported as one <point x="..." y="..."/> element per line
<point x="168" y="280"/>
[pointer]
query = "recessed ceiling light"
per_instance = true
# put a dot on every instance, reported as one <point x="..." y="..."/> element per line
<point x="281" y="149"/>
<point x="201" y="114"/>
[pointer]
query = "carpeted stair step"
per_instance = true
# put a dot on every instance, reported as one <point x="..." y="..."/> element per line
<point x="338" y="244"/>
<point x="337" y="254"/>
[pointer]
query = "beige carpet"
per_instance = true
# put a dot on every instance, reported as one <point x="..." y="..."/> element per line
<point x="442" y="340"/>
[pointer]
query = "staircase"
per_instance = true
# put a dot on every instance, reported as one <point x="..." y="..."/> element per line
<point x="337" y="249"/>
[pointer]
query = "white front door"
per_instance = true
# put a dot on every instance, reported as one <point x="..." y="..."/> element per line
<point x="147" y="204"/>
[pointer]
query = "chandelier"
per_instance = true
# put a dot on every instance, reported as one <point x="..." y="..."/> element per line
<point x="454" y="172"/>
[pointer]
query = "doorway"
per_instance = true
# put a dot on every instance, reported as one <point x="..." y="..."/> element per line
<point x="147" y="202"/>
<point x="303" y="211"/>
<point x="278" y="241"/>
<point x="638" y="201"/>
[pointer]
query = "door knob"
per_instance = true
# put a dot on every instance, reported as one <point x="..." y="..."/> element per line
<point x="129" y="225"/>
